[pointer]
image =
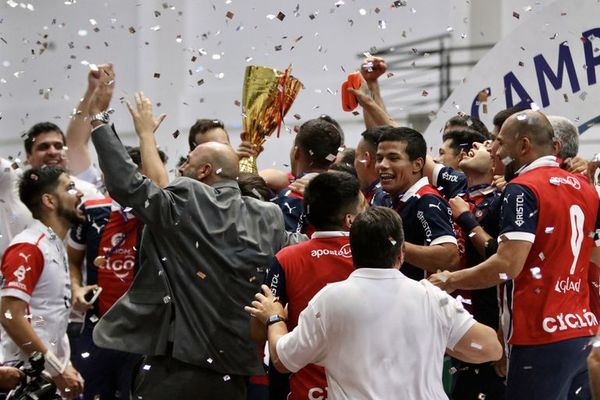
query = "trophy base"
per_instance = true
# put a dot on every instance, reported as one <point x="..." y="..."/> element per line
<point x="249" y="165"/>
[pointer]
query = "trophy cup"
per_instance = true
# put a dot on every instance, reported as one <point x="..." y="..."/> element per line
<point x="267" y="96"/>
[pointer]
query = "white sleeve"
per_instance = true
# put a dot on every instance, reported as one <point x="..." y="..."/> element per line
<point x="455" y="320"/>
<point x="306" y="344"/>
<point x="92" y="175"/>
<point x="437" y="168"/>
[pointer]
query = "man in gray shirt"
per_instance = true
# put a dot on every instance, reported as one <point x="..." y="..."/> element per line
<point x="203" y="254"/>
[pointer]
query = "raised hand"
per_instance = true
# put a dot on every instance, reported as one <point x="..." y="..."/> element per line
<point x="143" y="120"/>
<point x="372" y="68"/>
<point x="104" y="91"/>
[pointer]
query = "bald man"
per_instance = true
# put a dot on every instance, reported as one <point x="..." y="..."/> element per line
<point x="203" y="254"/>
<point x="547" y="239"/>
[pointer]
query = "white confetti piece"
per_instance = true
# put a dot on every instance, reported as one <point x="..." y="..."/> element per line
<point x="209" y="360"/>
<point x="549" y="229"/>
<point x="147" y="367"/>
<point x="167" y="299"/>
<point x="226" y="378"/>
<point x="476" y="346"/>
<point x="536" y="272"/>
<point x="85" y="355"/>
<point x="362" y="11"/>
<point x="542" y="256"/>
<point x="503" y="276"/>
<point x="330" y="157"/>
<point x="507" y="160"/>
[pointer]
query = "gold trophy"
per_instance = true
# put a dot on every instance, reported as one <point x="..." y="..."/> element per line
<point x="267" y="96"/>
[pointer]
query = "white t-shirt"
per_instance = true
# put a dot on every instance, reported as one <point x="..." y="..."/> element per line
<point x="35" y="270"/>
<point x="379" y="335"/>
<point x="14" y="215"/>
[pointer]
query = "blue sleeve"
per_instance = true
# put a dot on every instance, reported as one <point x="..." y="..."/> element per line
<point x="78" y="232"/>
<point x="519" y="213"/>
<point x="451" y="183"/>
<point x="434" y="216"/>
<point x="276" y="280"/>
<point x="381" y="198"/>
<point x="292" y="209"/>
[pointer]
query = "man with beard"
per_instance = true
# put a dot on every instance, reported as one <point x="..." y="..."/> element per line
<point x="36" y="291"/>
<point x="546" y="318"/>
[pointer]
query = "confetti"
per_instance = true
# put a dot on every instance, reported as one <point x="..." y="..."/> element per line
<point x="381" y="24"/>
<point x="85" y="355"/>
<point x="229" y="15"/>
<point x="534" y="107"/>
<point x="330" y="157"/>
<point x="318" y="314"/>
<point x="507" y="160"/>
<point x="536" y="272"/>
<point x="131" y="29"/>
<point x="8" y="315"/>
<point x="503" y="276"/>
<point x="226" y="378"/>
<point x="155" y="28"/>
<point x="280" y="16"/>
<point x="93" y="318"/>
<point x="444" y="301"/>
<point x="156" y="75"/>
<point x="201" y="275"/>
<point x="147" y="367"/>
<point x="549" y="229"/>
<point x="167" y="299"/>
<point x="542" y="256"/>
<point x="583" y="95"/>
<point x="476" y="346"/>
<point x="472" y="234"/>
<point x="516" y="15"/>
<point x="209" y="360"/>
<point x="175" y="134"/>
<point x="424" y="93"/>
<point x="200" y="82"/>
<point x="362" y="11"/>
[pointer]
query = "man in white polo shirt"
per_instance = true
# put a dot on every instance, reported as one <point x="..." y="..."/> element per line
<point x="379" y="334"/>
<point x="36" y="289"/>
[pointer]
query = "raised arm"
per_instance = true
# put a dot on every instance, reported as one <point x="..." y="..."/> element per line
<point x="151" y="204"/>
<point x="145" y="126"/>
<point x="79" y="129"/>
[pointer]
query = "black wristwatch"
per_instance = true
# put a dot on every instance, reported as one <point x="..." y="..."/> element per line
<point x="273" y="319"/>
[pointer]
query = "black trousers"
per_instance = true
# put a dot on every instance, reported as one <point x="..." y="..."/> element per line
<point x="163" y="377"/>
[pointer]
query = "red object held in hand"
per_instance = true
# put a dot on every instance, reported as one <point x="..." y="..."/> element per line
<point x="349" y="101"/>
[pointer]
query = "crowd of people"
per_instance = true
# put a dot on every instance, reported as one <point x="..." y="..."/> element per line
<point x="375" y="272"/>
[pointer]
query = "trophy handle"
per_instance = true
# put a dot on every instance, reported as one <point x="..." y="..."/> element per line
<point x="248" y="164"/>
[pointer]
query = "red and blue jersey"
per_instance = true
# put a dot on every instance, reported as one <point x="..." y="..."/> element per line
<point x="109" y="234"/>
<point x="448" y="181"/>
<point x="484" y="202"/>
<point x="427" y="221"/>
<point x="291" y="204"/>
<point x="296" y="274"/>
<point x="376" y="196"/>
<point x="558" y="213"/>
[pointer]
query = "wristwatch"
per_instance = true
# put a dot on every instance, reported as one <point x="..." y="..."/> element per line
<point x="273" y="319"/>
<point x="101" y="116"/>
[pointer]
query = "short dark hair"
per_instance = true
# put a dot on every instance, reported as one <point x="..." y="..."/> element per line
<point x="332" y="121"/>
<point x="463" y="139"/>
<point x="416" y="147"/>
<point x="503" y="115"/>
<point x="38" y="129"/>
<point x="254" y="186"/>
<point x="328" y="197"/>
<point x="344" y="167"/>
<point x="136" y="155"/>
<point x="376" y="237"/>
<point x="348" y="156"/>
<point x="319" y="140"/>
<point x="373" y="135"/>
<point x="34" y="183"/>
<point x="468" y="122"/>
<point x="202" y="126"/>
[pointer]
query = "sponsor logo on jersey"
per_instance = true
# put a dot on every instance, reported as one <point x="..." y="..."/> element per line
<point x="317" y="393"/>
<point x="20" y="273"/>
<point x="117" y="239"/>
<point x="424" y="224"/>
<point x="562" y="322"/>
<point x="519" y="209"/>
<point x="567" y="285"/>
<point x="343" y="251"/>
<point x="449" y="177"/>
<point x="569" y="180"/>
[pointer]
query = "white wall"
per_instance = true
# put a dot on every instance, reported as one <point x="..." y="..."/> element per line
<point x="329" y="43"/>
